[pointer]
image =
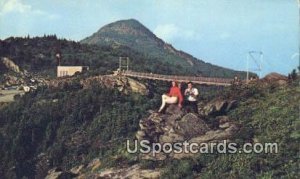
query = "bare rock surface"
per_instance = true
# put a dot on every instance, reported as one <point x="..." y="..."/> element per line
<point x="175" y="125"/>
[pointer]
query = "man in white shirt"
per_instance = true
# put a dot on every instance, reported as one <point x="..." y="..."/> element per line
<point x="191" y="97"/>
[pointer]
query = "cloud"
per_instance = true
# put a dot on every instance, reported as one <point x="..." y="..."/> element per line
<point x="170" y="32"/>
<point x="167" y="31"/>
<point x="14" y="6"/>
<point x="17" y="6"/>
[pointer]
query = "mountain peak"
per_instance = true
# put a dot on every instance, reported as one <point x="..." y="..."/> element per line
<point x="128" y="21"/>
<point x="123" y="25"/>
<point x="111" y="33"/>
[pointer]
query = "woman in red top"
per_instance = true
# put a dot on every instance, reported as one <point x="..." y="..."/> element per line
<point x="173" y="97"/>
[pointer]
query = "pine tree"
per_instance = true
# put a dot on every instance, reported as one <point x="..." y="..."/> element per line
<point x="294" y="74"/>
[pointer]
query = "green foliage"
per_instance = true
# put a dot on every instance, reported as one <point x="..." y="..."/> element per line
<point x="70" y="126"/>
<point x="179" y="169"/>
<point x="273" y="118"/>
<point x="265" y="116"/>
<point x="293" y="75"/>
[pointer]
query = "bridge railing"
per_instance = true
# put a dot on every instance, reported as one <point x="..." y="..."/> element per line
<point x="178" y="78"/>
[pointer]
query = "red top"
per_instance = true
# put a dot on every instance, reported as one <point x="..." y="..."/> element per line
<point x="175" y="91"/>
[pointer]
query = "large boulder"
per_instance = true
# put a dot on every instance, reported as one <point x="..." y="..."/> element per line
<point x="173" y="109"/>
<point x="191" y="125"/>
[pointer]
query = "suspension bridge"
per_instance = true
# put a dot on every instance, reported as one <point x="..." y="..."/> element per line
<point x="123" y="70"/>
<point x="193" y="79"/>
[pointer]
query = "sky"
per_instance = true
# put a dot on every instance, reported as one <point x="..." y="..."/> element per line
<point x="221" y="32"/>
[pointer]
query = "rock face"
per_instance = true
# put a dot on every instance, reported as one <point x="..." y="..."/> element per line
<point x="14" y="76"/>
<point x="123" y="84"/>
<point x="173" y="126"/>
<point x="191" y="125"/>
<point x="178" y="126"/>
<point x="10" y="65"/>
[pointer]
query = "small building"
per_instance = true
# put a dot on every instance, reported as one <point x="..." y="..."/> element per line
<point x="70" y="70"/>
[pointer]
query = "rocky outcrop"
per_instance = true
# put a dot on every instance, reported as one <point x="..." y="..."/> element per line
<point x="123" y="84"/>
<point x="178" y="126"/>
<point x="10" y="80"/>
<point x="136" y="86"/>
<point x="170" y="127"/>
<point x="10" y="65"/>
<point x="14" y="76"/>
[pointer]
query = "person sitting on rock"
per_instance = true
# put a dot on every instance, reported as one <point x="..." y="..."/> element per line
<point x="191" y="95"/>
<point x="173" y="97"/>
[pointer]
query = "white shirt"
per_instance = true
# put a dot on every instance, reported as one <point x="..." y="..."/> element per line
<point x="191" y="91"/>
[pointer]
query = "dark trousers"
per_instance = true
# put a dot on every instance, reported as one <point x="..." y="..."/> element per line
<point x="192" y="105"/>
